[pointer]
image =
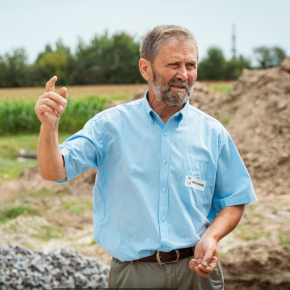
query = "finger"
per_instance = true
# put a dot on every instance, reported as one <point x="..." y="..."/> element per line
<point x="55" y="97"/>
<point x="63" y="92"/>
<point x="192" y="264"/>
<point x="201" y="273"/>
<point x="207" y="269"/>
<point x="52" y="104"/>
<point x="213" y="264"/>
<point x="208" y="257"/>
<point x="45" y="111"/>
<point x="50" y="85"/>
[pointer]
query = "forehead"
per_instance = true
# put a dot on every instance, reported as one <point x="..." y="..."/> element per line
<point x="174" y="50"/>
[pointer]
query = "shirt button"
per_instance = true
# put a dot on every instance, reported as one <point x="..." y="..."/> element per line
<point x="163" y="189"/>
<point x="165" y="134"/>
<point x="163" y="219"/>
<point x="164" y="161"/>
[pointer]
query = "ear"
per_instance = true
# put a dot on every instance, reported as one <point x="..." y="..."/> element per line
<point x="145" y="69"/>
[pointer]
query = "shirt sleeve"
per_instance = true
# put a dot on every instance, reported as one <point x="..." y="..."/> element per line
<point x="233" y="183"/>
<point x="83" y="150"/>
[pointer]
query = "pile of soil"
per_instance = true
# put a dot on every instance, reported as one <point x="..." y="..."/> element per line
<point x="258" y="267"/>
<point x="258" y="111"/>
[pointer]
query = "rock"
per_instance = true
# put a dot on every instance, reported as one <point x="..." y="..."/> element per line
<point x="59" y="268"/>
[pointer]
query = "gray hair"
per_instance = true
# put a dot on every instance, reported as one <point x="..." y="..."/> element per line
<point x="152" y="42"/>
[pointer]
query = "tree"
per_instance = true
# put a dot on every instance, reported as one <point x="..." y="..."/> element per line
<point x="52" y="62"/>
<point x="213" y="66"/>
<point x="107" y="60"/>
<point x="267" y="57"/>
<point x="235" y="66"/>
<point x="14" y="69"/>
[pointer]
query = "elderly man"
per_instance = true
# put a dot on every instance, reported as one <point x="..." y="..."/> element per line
<point x="170" y="181"/>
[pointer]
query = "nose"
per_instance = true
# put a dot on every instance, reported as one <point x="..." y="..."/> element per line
<point x="182" y="73"/>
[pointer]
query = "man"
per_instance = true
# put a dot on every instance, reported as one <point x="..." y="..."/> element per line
<point x="170" y="181"/>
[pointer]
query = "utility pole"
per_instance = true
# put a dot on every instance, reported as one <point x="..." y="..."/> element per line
<point x="234" y="42"/>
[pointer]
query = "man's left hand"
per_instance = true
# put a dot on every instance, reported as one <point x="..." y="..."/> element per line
<point x="206" y="257"/>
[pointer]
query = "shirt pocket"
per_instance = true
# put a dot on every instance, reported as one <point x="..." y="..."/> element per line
<point x="198" y="183"/>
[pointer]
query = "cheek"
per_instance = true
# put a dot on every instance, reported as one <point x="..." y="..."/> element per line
<point x="169" y="75"/>
<point x="192" y="77"/>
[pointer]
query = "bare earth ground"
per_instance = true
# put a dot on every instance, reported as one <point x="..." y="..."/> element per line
<point x="257" y="254"/>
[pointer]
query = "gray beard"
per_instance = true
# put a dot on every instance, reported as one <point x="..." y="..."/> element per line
<point x="164" y="95"/>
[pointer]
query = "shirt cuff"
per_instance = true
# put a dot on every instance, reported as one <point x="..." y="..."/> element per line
<point x="233" y="200"/>
<point x="68" y="168"/>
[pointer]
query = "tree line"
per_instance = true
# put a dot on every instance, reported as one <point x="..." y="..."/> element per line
<point x="113" y="60"/>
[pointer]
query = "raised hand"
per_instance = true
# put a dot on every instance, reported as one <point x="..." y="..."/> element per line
<point x="51" y="105"/>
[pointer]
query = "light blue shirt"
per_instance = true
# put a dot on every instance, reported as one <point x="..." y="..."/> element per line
<point x="158" y="186"/>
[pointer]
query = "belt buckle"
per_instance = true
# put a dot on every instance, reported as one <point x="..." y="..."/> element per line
<point x="162" y="263"/>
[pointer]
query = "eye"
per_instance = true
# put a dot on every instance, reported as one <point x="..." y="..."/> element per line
<point x="173" y="65"/>
<point x="190" y="65"/>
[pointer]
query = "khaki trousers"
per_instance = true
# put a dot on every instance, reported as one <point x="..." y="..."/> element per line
<point x="152" y="275"/>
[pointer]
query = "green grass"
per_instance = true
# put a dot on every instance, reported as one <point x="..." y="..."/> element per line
<point x="224" y="120"/>
<point x="9" y="213"/>
<point x="251" y="233"/>
<point x="77" y="207"/>
<point x="223" y="89"/>
<point x="10" y="167"/>
<point x="284" y="237"/>
<point x="47" y="233"/>
<point x="41" y="194"/>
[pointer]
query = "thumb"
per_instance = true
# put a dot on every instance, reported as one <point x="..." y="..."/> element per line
<point x="207" y="258"/>
<point x="63" y="92"/>
<point x="50" y="85"/>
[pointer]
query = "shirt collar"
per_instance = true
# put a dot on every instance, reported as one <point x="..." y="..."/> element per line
<point x="179" y="116"/>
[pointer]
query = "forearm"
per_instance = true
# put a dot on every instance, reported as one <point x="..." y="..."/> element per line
<point x="50" y="160"/>
<point x="225" y="222"/>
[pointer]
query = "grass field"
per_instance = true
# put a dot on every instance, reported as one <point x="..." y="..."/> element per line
<point x="109" y="91"/>
<point x="10" y="165"/>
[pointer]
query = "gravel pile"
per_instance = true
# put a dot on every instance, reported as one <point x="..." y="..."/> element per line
<point x="22" y="268"/>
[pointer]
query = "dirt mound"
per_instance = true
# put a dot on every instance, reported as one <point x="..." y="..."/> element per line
<point x="258" y="117"/>
<point x="269" y="267"/>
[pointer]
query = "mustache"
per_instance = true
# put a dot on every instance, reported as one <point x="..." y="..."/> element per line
<point x="178" y="83"/>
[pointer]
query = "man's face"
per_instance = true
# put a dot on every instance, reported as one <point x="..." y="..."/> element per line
<point x="174" y="72"/>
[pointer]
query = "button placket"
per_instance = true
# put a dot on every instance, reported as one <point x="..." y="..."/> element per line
<point x="164" y="192"/>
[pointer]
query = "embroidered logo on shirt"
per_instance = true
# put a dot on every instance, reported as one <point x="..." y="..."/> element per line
<point x="194" y="182"/>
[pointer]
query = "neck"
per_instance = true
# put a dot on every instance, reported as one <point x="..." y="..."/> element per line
<point x="163" y="110"/>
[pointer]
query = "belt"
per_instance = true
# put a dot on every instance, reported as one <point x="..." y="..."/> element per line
<point x="168" y="257"/>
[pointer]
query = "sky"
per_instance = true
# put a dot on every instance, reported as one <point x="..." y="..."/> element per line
<point x="32" y="24"/>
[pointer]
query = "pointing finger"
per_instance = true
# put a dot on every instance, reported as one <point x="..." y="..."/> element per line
<point x="50" y="85"/>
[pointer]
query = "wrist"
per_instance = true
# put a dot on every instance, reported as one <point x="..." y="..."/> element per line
<point x="208" y="235"/>
<point x="49" y="127"/>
